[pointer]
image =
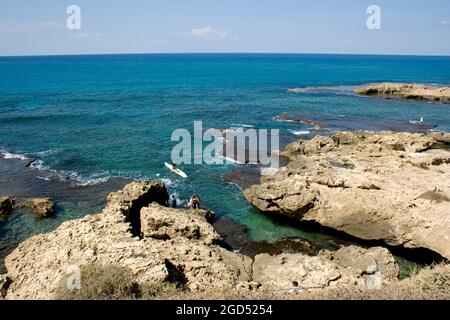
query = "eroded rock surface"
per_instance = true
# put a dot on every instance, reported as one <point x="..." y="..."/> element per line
<point x="164" y="223"/>
<point x="177" y="246"/>
<point x="349" y="266"/>
<point x="37" y="266"/>
<point x="374" y="186"/>
<point x="366" y="261"/>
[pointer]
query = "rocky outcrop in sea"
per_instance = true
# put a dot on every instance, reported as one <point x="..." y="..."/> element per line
<point x="406" y="91"/>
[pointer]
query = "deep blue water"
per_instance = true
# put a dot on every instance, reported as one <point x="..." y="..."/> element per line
<point x="92" y="117"/>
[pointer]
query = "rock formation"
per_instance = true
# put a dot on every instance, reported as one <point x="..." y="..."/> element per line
<point x="172" y="245"/>
<point x="165" y="223"/>
<point x="406" y="91"/>
<point x="184" y="255"/>
<point x="42" y="207"/>
<point x="374" y="186"/>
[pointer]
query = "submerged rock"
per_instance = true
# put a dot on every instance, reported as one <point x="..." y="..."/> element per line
<point x="406" y="91"/>
<point x="374" y="186"/>
<point x="42" y="207"/>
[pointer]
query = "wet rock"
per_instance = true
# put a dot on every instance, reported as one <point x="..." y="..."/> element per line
<point x="6" y="205"/>
<point x="235" y="237"/>
<point x="42" y="207"/>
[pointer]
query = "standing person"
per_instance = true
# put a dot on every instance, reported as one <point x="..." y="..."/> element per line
<point x="174" y="202"/>
<point x="196" y="202"/>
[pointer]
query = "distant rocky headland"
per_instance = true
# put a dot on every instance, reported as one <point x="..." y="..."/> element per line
<point x="406" y="91"/>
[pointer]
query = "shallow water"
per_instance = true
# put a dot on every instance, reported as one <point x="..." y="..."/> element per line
<point x="94" y="117"/>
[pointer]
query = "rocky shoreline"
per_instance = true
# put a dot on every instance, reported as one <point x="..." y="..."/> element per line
<point x="374" y="186"/>
<point x="385" y="186"/>
<point x="180" y="247"/>
<point x="406" y="91"/>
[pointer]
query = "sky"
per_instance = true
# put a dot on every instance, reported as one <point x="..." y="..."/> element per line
<point x="414" y="27"/>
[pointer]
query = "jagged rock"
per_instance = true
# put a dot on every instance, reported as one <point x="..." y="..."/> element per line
<point x="366" y="261"/>
<point x="406" y="91"/>
<point x="6" y="205"/>
<point x="374" y="186"/>
<point x="37" y="265"/>
<point x="42" y="207"/>
<point x="166" y="223"/>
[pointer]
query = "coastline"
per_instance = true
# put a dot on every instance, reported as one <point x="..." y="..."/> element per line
<point x="178" y="255"/>
<point x="21" y="179"/>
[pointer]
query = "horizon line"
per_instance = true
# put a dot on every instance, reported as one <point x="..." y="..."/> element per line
<point x="226" y="53"/>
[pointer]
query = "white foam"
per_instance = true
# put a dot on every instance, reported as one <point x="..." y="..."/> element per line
<point x="47" y="152"/>
<point x="43" y="178"/>
<point x="300" y="132"/>
<point x="230" y="160"/>
<point x="167" y="181"/>
<point x="9" y="155"/>
<point x="243" y="126"/>
<point x="72" y="175"/>
<point x="38" y="165"/>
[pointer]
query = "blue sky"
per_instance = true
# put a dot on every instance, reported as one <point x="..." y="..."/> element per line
<point x="416" y="27"/>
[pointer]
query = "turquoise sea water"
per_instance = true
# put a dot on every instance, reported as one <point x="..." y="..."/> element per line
<point x="94" y="117"/>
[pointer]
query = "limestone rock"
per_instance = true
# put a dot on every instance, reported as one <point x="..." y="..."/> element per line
<point x="37" y="265"/>
<point x="366" y="261"/>
<point x="374" y="186"/>
<point x="6" y="205"/>
<point x="297" y="271"/>
<point x="406" y="91"/>
<point x="166" y="223"/>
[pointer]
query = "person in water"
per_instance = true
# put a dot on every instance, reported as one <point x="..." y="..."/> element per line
<point x="174" y="202"/>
